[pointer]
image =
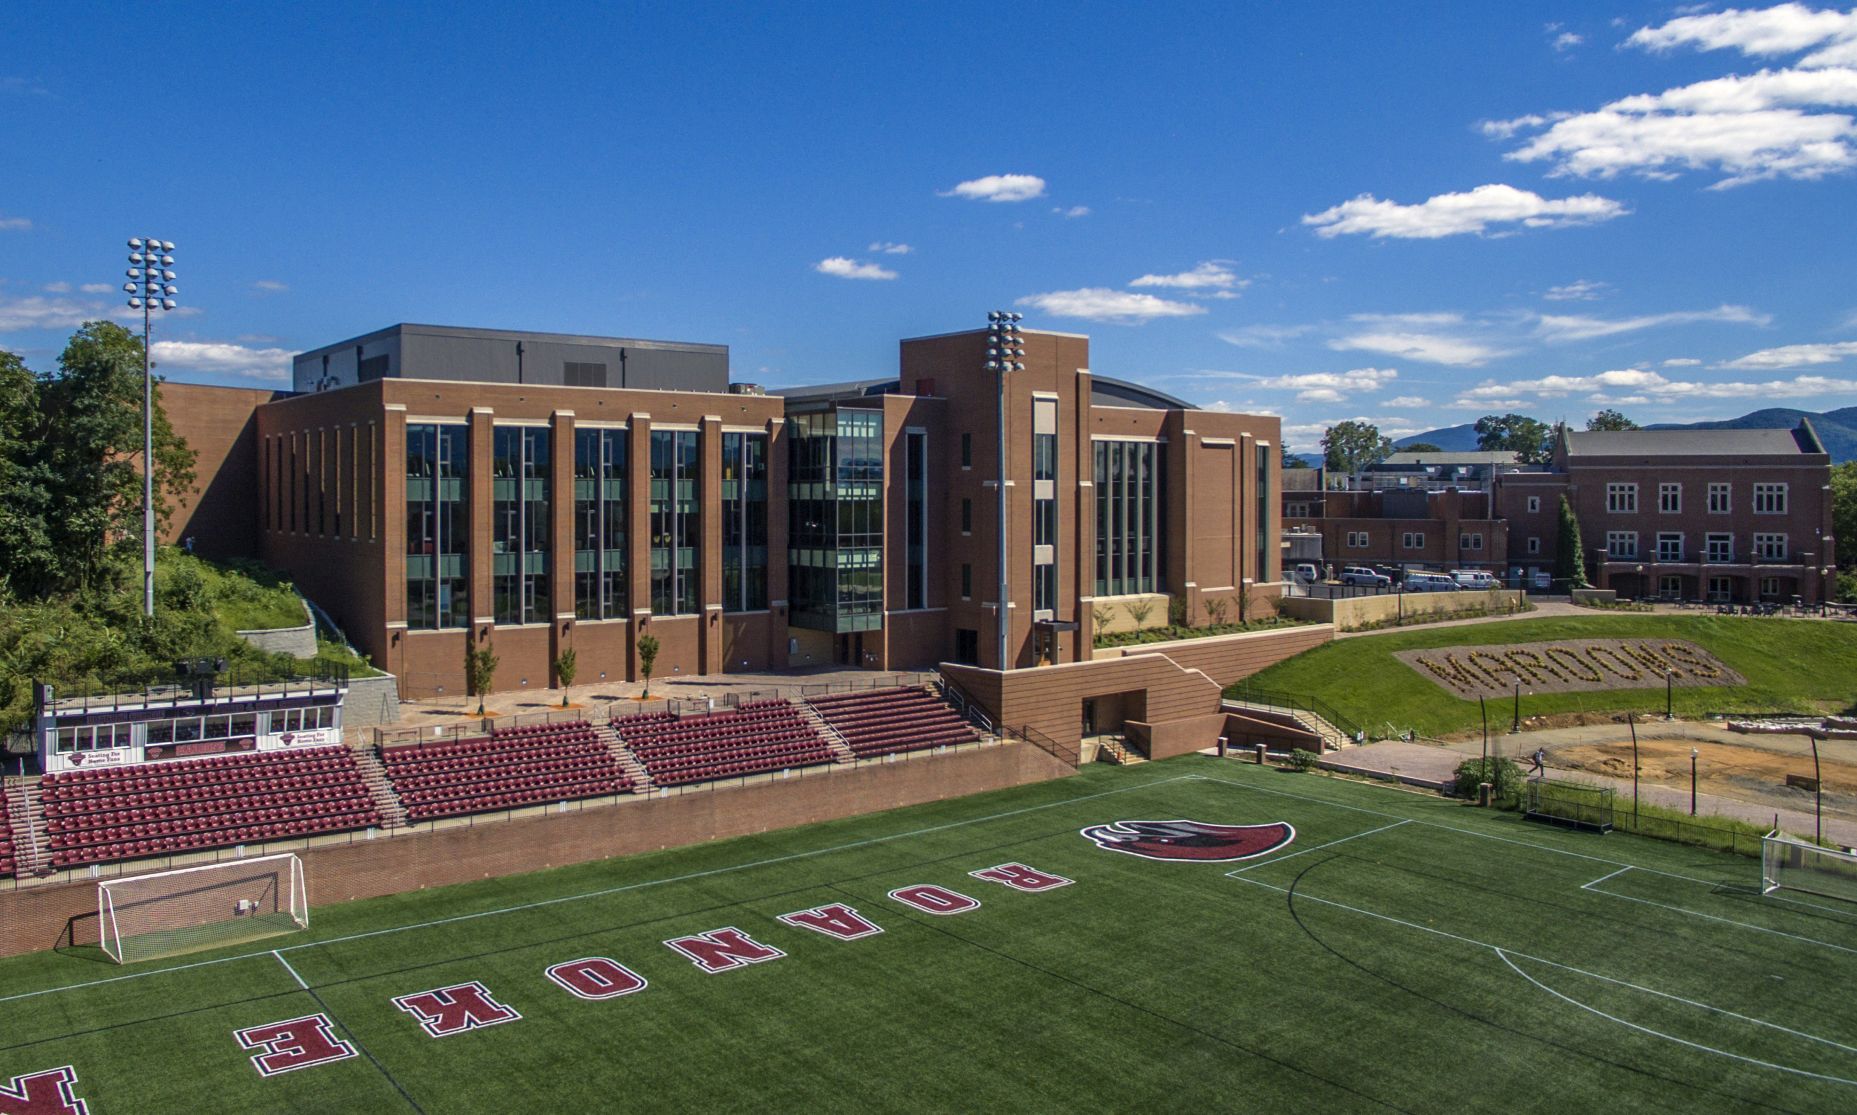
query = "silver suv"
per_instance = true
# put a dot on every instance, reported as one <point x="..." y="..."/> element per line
<point x="1363" y="577"/>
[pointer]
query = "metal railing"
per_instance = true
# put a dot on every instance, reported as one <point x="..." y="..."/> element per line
<point x="1070" y="754"/>
<point x="1245" y="693"/>
<point x="312" y="677"/>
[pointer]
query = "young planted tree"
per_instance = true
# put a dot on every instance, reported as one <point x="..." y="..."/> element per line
<point x="1216" y="607"/>
<point x="480" y="665"/>
<point x="567" y="664"/>
<point x="1569" y="550"/>
<point x="1139" y="611"/>
<point x="647" y="658"/>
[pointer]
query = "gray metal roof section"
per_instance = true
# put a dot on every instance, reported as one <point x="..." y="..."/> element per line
<point x="1691" y="443"/>
<point x="405" y="327"/>
<point x="1487" y="457"/>
<point x="1108" y="391"/>
<point x="1104" y="391"/>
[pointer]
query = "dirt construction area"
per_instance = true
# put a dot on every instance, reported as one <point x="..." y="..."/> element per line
<point x="1751" y="769"/>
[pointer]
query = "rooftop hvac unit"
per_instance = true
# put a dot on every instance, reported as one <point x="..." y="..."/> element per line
<point x="746" y="389"/>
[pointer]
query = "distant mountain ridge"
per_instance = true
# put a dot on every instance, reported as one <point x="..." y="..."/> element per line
<point x="1836" y="428"/>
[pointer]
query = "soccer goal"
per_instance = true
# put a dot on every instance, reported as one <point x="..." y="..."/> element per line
<point x="1788" y="864"/>
<point x="189" y="909"/>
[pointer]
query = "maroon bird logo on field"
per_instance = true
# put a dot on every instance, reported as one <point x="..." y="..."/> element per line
<point x="1190" y="841"/>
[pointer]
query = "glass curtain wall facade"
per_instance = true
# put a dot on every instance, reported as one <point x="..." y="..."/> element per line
<point x="744" y="522"/>
<point x="599" y="524"/>
<point x="676" y="526"/>
<point x="519" y="525"/>
<point x="835" y="501"/>
<point x="437" y="527"/>
<point x="1131" y="501"/>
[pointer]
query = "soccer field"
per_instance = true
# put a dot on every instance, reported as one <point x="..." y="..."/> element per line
<point x="1393" y="951"/>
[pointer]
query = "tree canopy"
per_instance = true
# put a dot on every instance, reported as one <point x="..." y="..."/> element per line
<point x="1421" y="447"/>
<point x="1530" y="439"/>
<point x="1609" y="419"/>
<point x="1353" y="445"/>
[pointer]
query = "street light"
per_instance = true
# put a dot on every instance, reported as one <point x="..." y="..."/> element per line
<point x="150" y="288"/>
<point x="1669" y="692"/>
<point x="1005" y="353"/>
<point x="1692" y="782"/>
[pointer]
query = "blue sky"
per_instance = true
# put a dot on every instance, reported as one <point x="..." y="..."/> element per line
<point x="1414" y="214"/>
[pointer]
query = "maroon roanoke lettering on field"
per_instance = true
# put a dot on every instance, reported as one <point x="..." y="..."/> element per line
<point x="50" y="1092"/>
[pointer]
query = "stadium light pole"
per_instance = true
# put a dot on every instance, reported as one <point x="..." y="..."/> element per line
<point x="150" y="288"/>
<point x="1005" y="354"/>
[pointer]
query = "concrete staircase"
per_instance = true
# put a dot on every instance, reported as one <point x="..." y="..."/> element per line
<point x="628" y="762"/>
<point x="392" y="813"/>
<point x="841" y="751"/>
<point x="1333" y="738"/>
<point x="1118" y="752"/>
<point x="32" y="848"/>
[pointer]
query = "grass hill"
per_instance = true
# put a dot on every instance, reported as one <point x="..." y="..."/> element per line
<point x="1790" y="666"/>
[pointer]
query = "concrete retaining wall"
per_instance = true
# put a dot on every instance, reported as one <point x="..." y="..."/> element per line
<point x="1355" y="612"/>
<point x="371" y="701"/>
<point x="297" y="642"/>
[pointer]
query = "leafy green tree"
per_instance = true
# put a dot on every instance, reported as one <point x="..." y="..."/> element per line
<point x="1353" y="445"/>
<point x="1844" y="526"/>
<point x="1530" y="439"/>
<point x="647" y="659"/>
<point x="1609" y="419"/>
<point x="1287" y="459"/>
<point x="567" y="664"/>
<point x="1421" y="447"/>
<point x="1569" y="550"/>
<point x="480" y="665"/>
<point x="27" y="558"/>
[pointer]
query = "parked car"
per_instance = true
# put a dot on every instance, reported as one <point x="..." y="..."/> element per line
<point x="1474" y="578"/>
<point x="1417" y="581"/>
<point x="1307" y="573"/>
<point x="1360" y="576"/>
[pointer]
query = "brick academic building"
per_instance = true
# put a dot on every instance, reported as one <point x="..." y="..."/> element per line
<point x="433" y="487"/>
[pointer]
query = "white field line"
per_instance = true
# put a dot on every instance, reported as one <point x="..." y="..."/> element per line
<point x="1670" y="1037"/>
<point x="1499" y="950"/>
<point x="583" y="896"/>
<point x="1594" y="888"/>
<point x="1454" y="828"/>
<point x="1317" y="848"/>
<point x="288" y="968"/>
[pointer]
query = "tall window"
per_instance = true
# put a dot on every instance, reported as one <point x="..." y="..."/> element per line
<point x="1769" y="499"/>
<point x="1044" y="508"/>
<point x="1622" y="499"/>
<point x="599" y="524"/>
<point x="1261" y="514"/>
<point x="1719" y="500"/>
<point x="835" y="514"/>
<point x="1130" y="516"/>
<point x="744" y="522"/>
<point x="674" y="523"/>
<point x="1622" y="543"/>
<point x="1769" y="547"/>
<point x="915" y="516"/>
<point x="1670" y="498"/>
<point x="519" y="524"/>
<point x="437" y="538"/>
<point x="1719" y="549"/>
<point x="1669" y="546"/>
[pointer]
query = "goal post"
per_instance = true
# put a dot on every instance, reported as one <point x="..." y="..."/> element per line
<point x="190" y="909"/>
<point x="1789" y="864"/>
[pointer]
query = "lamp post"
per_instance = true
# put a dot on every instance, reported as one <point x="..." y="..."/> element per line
<point x="150" y="288"/>
<point x="1669" y="693"/>
<point x="1692" y="782"/>
<point x="1516" y="726"/>
<point x="1005" y="353"/>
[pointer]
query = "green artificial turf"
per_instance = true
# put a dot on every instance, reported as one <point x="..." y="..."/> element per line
<point x="1403" y="953"/>
<point x="1798" y="666"/>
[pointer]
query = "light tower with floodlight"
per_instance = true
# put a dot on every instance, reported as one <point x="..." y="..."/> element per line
<point x="1005" y="353"/>
<point x="150" y="288"/>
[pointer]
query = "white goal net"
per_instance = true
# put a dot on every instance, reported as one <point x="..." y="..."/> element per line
<point x="189" y="909"/>
<point x="1788" y="864"/>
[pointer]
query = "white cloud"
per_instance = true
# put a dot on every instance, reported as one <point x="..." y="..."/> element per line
<point x="57" y="288"/>
<point x="1580" y="290"/>
<point x="889" y="248"/>
<point x="1682" y="362"/>
<point x="1567" y="40"/>
<point x="1263" y="336"/>
<point x="1445" y="318"/>
<point x="1795" y="356"/>
<point x="270" y="364"/>
<point x="1640" y="386"/>
<point x="37" y="312"/>
<point x="96" y="288"/>
<point x="1783" y="29"/>
<point x="840" y="267"/>
<point x="1102" y="304"/>
<point x="999" y="187"/>
<point x="1463" y="213"/>
<point x="15" y="224"/>
<point x="270" y="286"/>
<point x="1213" y="274"/>
<point x="1407" y="401"/>
<point x="1329" y="387"/>
<point x="1072" y="212"/>
<point x="1571" y="327"/>
<point x="1432" y="348"/>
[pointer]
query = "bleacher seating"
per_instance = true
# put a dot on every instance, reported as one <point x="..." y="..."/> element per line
<point x="758" y="737"/>
<point x="887" y="721"/>
<point x="9" y="863"/>
<point x="510" y="768"/>
<point x="112" y="813"/>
